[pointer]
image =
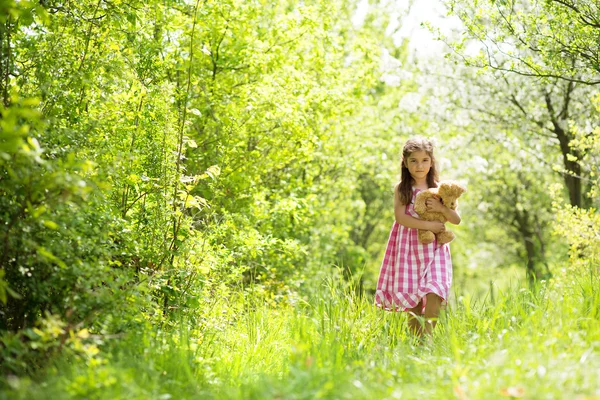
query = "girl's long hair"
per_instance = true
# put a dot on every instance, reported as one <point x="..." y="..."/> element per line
<point x="406" y="181"/>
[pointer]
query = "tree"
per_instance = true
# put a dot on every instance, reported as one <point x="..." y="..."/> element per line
<point x="535" y="42"/>
<point x="550" y="39"/>
<point x="213" y="137"/>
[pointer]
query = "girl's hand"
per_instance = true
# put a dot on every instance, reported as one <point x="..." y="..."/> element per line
<point x="436" y="227"/>
<point x="435" y="205"/>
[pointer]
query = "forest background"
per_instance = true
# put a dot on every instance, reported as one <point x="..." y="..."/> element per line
<point x="202" y="191"/>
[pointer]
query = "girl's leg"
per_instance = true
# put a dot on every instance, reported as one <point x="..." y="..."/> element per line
<point x="414" y="325"/>
<point x="432" y="311"/>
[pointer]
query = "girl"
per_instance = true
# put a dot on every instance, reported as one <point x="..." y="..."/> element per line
<point x="416" y="277"/>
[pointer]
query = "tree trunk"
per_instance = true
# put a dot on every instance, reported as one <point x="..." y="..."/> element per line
<point x="573" y="181"/>
<point x="571" y="157"/>
<point x="5" y="60"/>
<point x="534" y="255"/>
<point x="531" y="256"/>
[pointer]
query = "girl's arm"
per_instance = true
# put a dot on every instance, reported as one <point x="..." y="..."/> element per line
<point x="411" y="222"/>
<point x="436" y="205"/>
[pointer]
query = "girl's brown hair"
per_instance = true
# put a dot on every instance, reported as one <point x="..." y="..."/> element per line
<point x="406" y="181"/>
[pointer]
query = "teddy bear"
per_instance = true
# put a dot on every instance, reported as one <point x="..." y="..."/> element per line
<point x="448" y="192"/>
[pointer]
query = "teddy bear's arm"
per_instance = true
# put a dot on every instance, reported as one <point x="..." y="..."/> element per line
<point x="421" y="202"/>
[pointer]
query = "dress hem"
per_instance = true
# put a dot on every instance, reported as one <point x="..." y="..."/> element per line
<point x="400" y="303"/>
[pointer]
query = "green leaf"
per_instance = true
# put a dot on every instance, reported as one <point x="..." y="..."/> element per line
<point x="45" y="254"/>
<point x="50" y="224"/>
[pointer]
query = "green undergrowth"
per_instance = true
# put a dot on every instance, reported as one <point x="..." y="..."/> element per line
<point x="531" y="344"/>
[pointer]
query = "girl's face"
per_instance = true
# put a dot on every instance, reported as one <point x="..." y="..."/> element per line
<point x="418" y="164"/>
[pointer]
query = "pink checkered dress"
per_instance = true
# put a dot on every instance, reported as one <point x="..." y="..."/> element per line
<point x="410" y="269"/>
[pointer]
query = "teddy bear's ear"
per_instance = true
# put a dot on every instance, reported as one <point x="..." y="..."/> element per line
<point x="444" y="188"/>
<point x="455" y="187"/>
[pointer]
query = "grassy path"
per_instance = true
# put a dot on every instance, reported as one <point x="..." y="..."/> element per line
<point x="523" y="345"/>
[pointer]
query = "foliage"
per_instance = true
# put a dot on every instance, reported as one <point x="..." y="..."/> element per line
<point x="525" y="87"/>
<point x="580" y="226"/>
<point x="176" y="151"/>
<point x="549" y="39"/>
<point x="512" y="192"/>
<point x="177" y="178"/>
<point x="547" y="46"/>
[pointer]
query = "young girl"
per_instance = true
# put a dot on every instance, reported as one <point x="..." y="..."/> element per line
<point x="416" y="277"/>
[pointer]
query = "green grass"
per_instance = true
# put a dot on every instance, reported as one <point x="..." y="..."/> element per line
<point x="534" y="345"/>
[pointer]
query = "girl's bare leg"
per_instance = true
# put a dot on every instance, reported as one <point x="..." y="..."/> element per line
<point x="414" y="325"/>
<point x="432" y="311"/>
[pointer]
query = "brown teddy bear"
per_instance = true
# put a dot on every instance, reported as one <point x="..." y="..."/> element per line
<point x="448" y="192"/>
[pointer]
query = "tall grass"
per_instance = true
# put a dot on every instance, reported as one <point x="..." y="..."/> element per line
<point x="540" y="344"/>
